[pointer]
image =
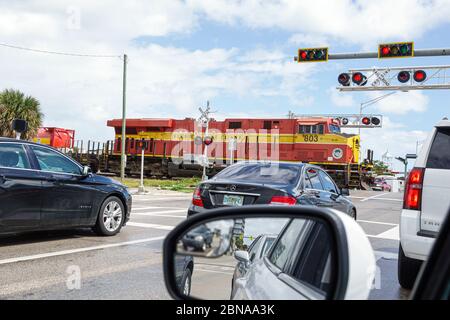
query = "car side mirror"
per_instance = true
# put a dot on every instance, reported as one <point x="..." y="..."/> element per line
<point x="345" y="192"/>
<point x="86" y="171"/>
<point x="242" y="256"/>
<point x="325" y="241"/>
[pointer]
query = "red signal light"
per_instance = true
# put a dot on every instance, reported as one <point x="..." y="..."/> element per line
<point x="385" y="51"/>
<point x="420" y="76"/>
<point x="303" y="55"/>
<point x="208" y="140"/>
<point x="365" y="121"/>
<point x="359" y="79"/>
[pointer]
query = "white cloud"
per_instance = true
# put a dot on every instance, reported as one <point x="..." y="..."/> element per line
<point x="401" y="102"/>
<point x="362" y="22"/>
<point x="340" y="99"/>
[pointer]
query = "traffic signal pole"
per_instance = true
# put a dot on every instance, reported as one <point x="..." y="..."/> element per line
<point x="374" y="55"/>
<point x="124" y="120"/>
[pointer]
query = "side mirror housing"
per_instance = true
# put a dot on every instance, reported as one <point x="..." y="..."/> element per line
<point x="345" y="192"/>
<point x="241" y="256"/>
<point x="86" y="171"/>
<point x="330" y="234"/>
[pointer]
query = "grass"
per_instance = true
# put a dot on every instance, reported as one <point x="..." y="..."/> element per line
<point x="186" y="185"/>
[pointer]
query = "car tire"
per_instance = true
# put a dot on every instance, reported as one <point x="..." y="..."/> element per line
<point x="110" y="217"/>
<point x="408" y="269"/>
<point x="186" y="282"/>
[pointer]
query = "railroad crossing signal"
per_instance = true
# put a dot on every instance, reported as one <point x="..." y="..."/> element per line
<point x="360" y="121"/>
<point x="395" y="78"/>
<point x="208" y="140"/>
<point x="396" y="50"/>
<point x="142" y="144"/>
<point x="312" y="55"/>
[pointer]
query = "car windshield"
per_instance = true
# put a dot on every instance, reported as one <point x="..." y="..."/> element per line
<point x="274" y="174"/>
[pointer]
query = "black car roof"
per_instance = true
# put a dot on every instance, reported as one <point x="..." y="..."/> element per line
<point x="4" y="139"/>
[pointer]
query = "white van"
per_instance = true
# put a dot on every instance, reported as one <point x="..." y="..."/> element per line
<point x="425" y="204"/>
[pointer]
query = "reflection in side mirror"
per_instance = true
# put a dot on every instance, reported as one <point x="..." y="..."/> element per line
<point x="296" y="253"/>
<point x="345" y="192"/>
<point x="86" y="170"/>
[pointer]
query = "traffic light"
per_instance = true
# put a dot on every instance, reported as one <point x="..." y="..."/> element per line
<point x="312" y="55"/>
<point x="359" y="79"/>
<point x="403" y="76"/>
<point x="344" y="79"/>
<point x="142" y="144"/>
<point x="419" y="76"/>
<point x="396" y="50"/>
<point x="371" y="121"/>
<point x="208" y="140"/>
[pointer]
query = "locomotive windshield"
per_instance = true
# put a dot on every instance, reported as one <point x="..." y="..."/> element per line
<point x="334" y="128"/>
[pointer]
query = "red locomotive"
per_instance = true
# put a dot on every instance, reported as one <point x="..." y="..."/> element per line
<point x="173" y="147"/>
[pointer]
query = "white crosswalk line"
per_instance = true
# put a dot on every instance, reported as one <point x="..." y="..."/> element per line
<point x="391" y="234"/>
<point x="150" y="225"/>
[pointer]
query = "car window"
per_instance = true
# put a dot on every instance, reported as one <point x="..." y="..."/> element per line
<point x="254" y="248"/>
<point x="328" y="184"/>
<point x="274" y="174"/>
<point x="50" y="160"/>
<point x="13" y="155"/>
<point x="439" y="157"/>
<point x="313" y="265"/>
<point x="313" y="176"/>
<point x="266" y="246"/>
<point x="286" y="243"/>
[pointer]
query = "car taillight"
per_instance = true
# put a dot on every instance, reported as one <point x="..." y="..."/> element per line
<point x="413" y="189"/>
<point x="196" y="198"/>
<point x="283" y="200"/>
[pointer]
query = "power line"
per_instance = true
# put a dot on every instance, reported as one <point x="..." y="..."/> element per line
<point x="60" y="53"/>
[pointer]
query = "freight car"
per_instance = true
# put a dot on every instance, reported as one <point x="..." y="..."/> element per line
<point x="174" y="147"/>
<point x="56" y="137"/>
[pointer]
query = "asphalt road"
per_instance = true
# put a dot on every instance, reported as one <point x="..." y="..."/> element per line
<point x="77" y="264"/>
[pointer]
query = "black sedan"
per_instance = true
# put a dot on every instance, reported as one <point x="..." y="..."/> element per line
<point x="42" y="189"/>
<point x="199" y="238"/>
<point x="277" y="183"/>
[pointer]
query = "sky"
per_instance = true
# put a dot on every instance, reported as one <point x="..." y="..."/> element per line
<point x="236" y="54"/>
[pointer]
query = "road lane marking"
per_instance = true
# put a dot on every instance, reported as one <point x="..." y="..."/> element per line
<point x="150" y="225"/>
<point x="150" y="214"/>
<point x="161" y="212"/>
<point x="374" y="197"/>
<point x="71" y="251"/>
<point x="391" y="234"/>
<point x="147" y="208"/>
<point x="387" y="199"/>
<point x="378" y="222"/>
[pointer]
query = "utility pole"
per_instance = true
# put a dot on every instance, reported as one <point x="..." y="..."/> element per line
<point x="123" y="156"/>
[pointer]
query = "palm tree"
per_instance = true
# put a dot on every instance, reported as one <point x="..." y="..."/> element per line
<point x="15" y="105"/>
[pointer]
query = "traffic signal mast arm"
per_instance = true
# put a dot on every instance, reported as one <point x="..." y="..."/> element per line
<point x="374" y="55"/>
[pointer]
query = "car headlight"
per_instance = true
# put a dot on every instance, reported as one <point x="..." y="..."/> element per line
<point x="198" y="238"/>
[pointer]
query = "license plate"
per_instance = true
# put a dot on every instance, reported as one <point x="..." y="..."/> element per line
<point x="235" y="201"/>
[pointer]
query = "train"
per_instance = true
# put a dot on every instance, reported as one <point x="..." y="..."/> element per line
<point x="59" y="138"/>
<point x="176" y="147"/>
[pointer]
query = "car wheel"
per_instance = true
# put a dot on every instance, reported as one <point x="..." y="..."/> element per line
<point x="407" y="269"/>
<point x="186" y="282"/>
<point x="110" y="217"/>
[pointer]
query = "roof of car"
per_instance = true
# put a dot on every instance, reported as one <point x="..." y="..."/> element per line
<point x="262" y="162"/>
<point x="4" y="139"/>
<point x="443" y="123"/>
